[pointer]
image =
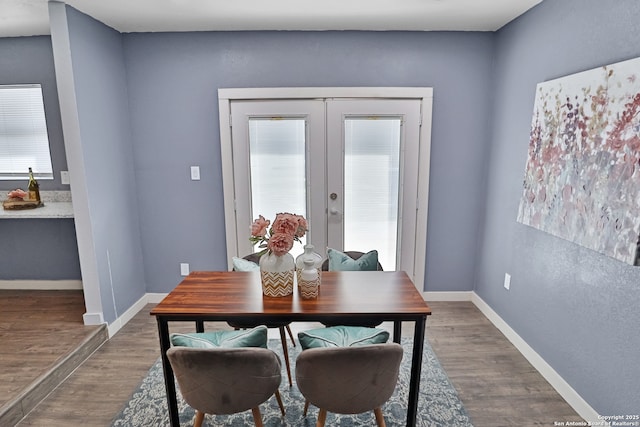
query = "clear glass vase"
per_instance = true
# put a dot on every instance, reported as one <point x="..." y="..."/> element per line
<point x="309" y="280"/>
<point x="310" y="255"/>
<point x="276" y="273"/>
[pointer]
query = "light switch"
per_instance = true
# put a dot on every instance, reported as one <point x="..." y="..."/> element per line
<point x="184" y="269"/>
<point x="64" y="177"/>
<point x="195" y="173"/>
<point x="507" y="281"/>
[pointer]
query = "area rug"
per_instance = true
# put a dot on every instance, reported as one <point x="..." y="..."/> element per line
<point x="439" y="405"/>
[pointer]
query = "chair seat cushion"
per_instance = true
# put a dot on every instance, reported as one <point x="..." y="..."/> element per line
<point x="256" y="337"/>
<point x="339" y="261"/>
<point x="342" y="336"/>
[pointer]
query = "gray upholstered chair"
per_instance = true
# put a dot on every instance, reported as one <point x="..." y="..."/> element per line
<point x="226" y="380"/>
<point x="282" y="326"/>
<point x="349" y="380"/>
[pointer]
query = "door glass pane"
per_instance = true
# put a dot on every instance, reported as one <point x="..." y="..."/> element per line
<point x="278" y="169"/>
<point x="371" y="183"/>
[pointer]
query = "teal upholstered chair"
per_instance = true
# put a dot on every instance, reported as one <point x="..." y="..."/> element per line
<point x="225" y="372"/>
<point x="347" y="370"/>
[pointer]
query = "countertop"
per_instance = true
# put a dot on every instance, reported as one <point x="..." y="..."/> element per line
<point x="56" y="204"/>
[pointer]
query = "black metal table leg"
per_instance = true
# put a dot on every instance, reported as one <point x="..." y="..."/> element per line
<point x="397" y="331"/>
<point x="416" y="367"/>
<point x="169" y="382"/>
<point x="200" y="326"/>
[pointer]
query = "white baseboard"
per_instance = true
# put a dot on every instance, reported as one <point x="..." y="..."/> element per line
<point x="127" y="315"/>
<point x="41" y="285"/>
<point x="447" y="296"/>
<point x="149" y="298"/>
<point x="155" y="298"/>
<point x="557" y="382"/>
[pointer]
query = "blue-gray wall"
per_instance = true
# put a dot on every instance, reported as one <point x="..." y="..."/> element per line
<point x="38" y="249"/>
<point x="100" y="87"/>
<point x="173" y="83"/>
<point x="30" y="60"/>
<point x="577" y="308"/>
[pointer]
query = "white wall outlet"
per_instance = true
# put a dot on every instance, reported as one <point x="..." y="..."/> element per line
<point x="64" y="177"/>
<point x="507" y="281"/>
<point x="195" y="173"/>
<point x="184" y="269"/>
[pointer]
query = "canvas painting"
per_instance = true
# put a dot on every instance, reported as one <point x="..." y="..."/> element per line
<point x="582" y="177"/>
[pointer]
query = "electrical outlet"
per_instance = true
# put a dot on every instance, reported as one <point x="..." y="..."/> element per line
<point x="64" y="177"/>
<point x="507" y="281"/>
<point x="184" y="269"/>
<point x="195" y="173"/>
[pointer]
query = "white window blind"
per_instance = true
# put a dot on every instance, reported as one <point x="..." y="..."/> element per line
<point x="24" y="142"/>
<point x="372" y="185"/>
<point x="278" y="169"/>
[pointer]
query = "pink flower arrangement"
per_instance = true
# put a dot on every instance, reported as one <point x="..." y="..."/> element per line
<point x="17" y="194"/>
<point x="286" y="229"/>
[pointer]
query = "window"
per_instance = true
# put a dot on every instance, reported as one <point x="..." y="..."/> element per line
<point x="24" y="142"/>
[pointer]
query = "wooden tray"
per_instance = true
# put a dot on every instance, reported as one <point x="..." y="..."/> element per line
<point x="10" y="204"/>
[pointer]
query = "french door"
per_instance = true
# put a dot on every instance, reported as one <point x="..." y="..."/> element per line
<point x="372" y="175"/>
<point x="278" y="164"/>
<point x="350" y="165"/>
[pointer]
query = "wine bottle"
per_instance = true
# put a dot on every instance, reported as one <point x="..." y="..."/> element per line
<point x="34" y="188"/>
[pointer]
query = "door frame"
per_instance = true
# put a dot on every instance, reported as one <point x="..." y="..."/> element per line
<point x="424" y="94"/>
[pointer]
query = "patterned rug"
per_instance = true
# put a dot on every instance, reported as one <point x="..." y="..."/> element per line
<point x="439" y="405"/>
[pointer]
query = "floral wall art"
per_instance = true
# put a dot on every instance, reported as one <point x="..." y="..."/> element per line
<point x="582" y="177"/>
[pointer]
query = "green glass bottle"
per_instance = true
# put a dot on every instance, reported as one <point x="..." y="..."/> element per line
<point x="34" y="188"/>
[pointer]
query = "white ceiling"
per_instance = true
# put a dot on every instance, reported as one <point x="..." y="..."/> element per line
<point x="30" y="17"/>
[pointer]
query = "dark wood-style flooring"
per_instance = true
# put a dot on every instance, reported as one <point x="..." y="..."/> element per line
<point x="496" y="384"/>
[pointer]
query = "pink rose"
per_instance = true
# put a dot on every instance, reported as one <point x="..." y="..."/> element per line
<point x="259" y="227"/>
<point x="302" y="226"/>
<point x="285" y="223"/>
<point x="280" y="243"/>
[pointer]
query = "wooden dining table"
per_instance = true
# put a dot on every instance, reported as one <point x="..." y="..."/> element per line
<point x="343" y="296"/>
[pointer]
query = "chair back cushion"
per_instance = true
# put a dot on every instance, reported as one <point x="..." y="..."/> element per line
<point x="254" y="257"/>
<point x="241" y="264"/>
<point x="342" y="336"/>
<point x="349" y="380"/>
<point x="225" y="380"/>
<point x="255" y="337"/>
<point x="351" y="261"/>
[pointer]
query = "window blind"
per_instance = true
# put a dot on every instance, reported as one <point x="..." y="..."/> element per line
<point x="24" y="142"/>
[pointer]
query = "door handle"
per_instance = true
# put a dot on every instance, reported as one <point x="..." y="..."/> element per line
<point x="334" y="211"/>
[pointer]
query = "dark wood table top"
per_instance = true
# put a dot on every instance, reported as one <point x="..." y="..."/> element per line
<point x="224" y="295"/>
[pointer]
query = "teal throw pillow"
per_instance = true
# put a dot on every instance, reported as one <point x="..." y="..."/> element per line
<point x="342" y="336"/>
<point x="256" y="337"/>
<point x="241" y="264"/>
<point x="339" y="261"/>
<point x="191" y="340"/>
